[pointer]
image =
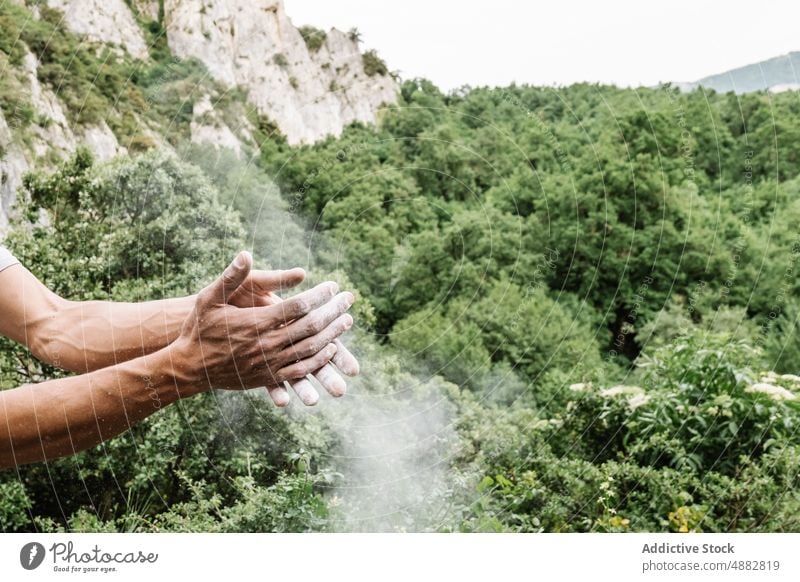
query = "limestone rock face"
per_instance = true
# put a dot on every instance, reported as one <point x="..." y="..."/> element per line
<point x="13" y="166"/>
<point x="253" y="44"/>
<point x="101" y="141"/>
<point x="206" y="128"/>
<point x="50" y="134"/>
<point x="52" y="130"/>
<point x="106" y="21"/>
<point x="359" y="94"/>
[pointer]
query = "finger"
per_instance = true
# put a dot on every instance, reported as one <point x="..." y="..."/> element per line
<point x="345" y="360"/>
<point x="230" y="280"/>
<point x="256" y="299"/>
<point x="299" y="305"/>
<point x="303" y="368"/>
<point x="306" y="392"/>
<point x="331" y="381"/>
<point x="316" y="321"/>
<point x="264" y="282"/>
<point x="311" y="345"/>
<point x="279" y="395"/>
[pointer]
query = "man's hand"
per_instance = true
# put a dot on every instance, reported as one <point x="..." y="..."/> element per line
<point x="259" y="290"/>
<point x="225" y="346"/>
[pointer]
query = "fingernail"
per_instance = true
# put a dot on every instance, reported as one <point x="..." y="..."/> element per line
<point x="351" y="298"/>
<point x="241" y="259"/>
<point x="308" y="395"/>
<point x="337" y="388"/>
<point x="348" y="321"/>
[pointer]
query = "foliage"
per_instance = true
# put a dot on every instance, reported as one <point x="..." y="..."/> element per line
<point x="596" y="285"/>
<point x="695" y="450"/>
<point x="280" y="60"/>
<point x="313" y="37"/>
<point x="608" y="276"/>
<point x="373" y="64"/>
<point x="354" y="35"/>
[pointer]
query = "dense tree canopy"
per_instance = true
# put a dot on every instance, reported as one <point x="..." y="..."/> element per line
<point x="619" y="201"/>
<point x="578" y="313"/>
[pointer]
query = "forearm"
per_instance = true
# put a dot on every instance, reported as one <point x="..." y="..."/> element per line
<point x="62" y="417"/>
<point x="90" y="335"/>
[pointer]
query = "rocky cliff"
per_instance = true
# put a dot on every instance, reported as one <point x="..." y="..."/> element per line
<point x="307" y="87"/>
<point x="254" y="45"/>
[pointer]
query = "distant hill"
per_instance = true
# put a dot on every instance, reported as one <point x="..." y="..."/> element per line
<point x="776" y="74"/>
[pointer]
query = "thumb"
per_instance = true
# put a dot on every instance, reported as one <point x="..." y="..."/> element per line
<point x="232" y="277"/>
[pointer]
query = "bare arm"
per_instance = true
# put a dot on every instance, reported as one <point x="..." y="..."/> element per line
<point x="61" y="417"/>
<point x="82" y="336"/>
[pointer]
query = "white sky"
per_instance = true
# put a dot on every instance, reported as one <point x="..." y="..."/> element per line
<point x="627" y="42"/>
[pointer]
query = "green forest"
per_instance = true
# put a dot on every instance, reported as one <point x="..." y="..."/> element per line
<point x="577" y="308"/>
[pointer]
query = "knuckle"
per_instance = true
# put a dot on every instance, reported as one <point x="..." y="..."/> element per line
<point x="291" y="309"/>
<point x="308" y="327"/>
<point x="272" y="318"/>
<point x="345" y="322"/>
<point x="337" y="304"/>
<point x="268" y="344"/>
<point x="302" y="305"/>
<point x="316" y="323"/>
<point x="316" y="346"/>
<point x="298" y="352"/>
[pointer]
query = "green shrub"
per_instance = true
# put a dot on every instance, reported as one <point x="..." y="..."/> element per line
<point x="700" y="405"/>
<point x="280" y="60"/>
<point x="354" y="35"/>
<point x="314" y="37"/>
<point x="373" y="64"/>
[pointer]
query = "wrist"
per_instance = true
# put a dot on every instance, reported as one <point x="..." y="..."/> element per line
<point x="173" y="366"/>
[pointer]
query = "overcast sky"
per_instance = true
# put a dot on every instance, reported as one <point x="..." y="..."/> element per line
<point x="627" y="42"/>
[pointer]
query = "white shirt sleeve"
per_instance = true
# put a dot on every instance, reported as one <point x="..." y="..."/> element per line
<point x="6" y="258"/>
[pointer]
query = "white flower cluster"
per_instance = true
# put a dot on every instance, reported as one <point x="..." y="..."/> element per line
<point x="638" y="400"/>
<point x="619" y="389"/>
<point x="771" y="390"/>
<point x="637" y="397"/>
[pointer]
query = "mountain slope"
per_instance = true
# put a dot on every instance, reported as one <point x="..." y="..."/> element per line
<point x="778" y="73"/>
